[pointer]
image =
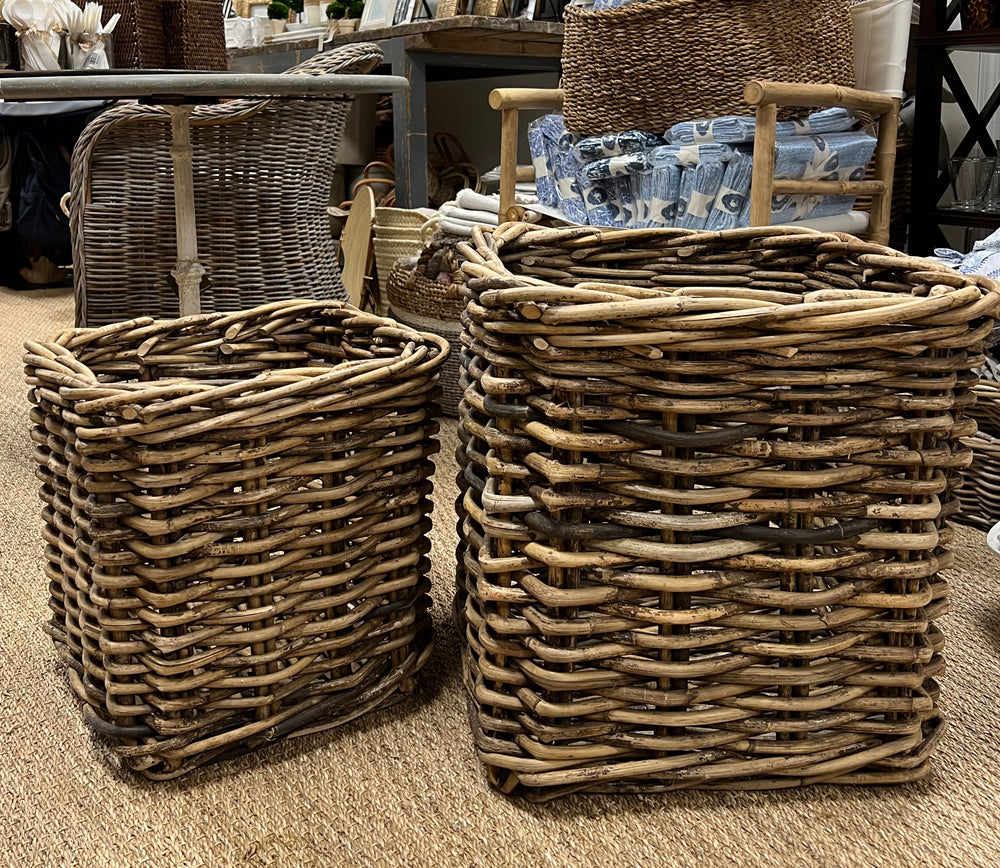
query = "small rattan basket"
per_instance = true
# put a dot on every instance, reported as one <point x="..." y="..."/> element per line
<point x="705" y="488"/>
<point x="236" y="512"/>
<point x="435" y="307"/>
<point x="649" y="65"/>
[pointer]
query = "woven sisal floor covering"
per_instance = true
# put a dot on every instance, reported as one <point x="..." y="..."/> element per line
<point x="403" y="787"/>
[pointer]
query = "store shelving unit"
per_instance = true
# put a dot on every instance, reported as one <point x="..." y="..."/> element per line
<point x="936" y="44"/>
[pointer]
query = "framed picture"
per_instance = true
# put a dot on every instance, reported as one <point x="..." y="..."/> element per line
<point x="378" y="13"/>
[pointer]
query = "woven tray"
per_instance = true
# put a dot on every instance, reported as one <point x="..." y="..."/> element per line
<point x="705" y="487"/>
<point x="236" y="509"/>
<point x="650" y="65"/>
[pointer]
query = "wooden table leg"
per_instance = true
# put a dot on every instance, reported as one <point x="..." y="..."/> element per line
<point x="189" y="271"/>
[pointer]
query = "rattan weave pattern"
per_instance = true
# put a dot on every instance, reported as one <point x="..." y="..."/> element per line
<point x="263" y="171"/>
<point x="236" y="514"/>
<point x="980" y="491"/>
<point x="650" y="65"/>
<point x="705" y="482"/>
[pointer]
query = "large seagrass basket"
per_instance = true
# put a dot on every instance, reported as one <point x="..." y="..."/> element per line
<point x="236" y="512"/>
<point x="649" y="65"/>
<point x="705" y="482"/>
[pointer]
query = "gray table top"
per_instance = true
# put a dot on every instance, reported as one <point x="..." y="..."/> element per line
<point x="195" y="86"/>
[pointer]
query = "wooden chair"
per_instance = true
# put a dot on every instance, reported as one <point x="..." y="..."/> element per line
<point x="263" y="171"/>
<point x="766" y="96"/>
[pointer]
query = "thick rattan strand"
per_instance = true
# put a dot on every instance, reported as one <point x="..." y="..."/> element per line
<point x="700" y="556"/>
<point x="647" y="66"/>
<point x="236" y="509"/>
<point x="262" y="173"/>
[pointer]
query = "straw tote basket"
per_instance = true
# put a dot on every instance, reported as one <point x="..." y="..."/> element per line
<point x="980" y="491"/>
<point x="650" y="65"/>
<point x="236" y="511"/>
<point x="705" y="482"/>
<point x="434" y="307"/>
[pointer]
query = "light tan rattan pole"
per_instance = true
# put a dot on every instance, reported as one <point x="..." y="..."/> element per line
<point x="509" y="101"/>
<point x="189" y="271"/>
<point x="762" y="188"/>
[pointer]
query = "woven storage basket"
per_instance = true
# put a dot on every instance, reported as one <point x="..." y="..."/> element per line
<point x="980" y="491"/>
<point x="236" y="515"/>
<point x="195" y="34"/>
<point x="138" y="37"/>
<point x="650" y="65"/>
<point x="431" y="307"/>
<point x="705" y="481"/>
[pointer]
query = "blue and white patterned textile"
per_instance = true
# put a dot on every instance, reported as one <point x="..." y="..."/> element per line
<point x="734" y="130"/>
<point x="629" y="142"/>
<point x="734" y="192"/>
<point x="553" y="155"/>
<point x="984" y="258"/>
<point x="835" y="157"/>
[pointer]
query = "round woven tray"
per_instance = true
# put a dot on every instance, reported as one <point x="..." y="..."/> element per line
<point x="236" y="515"/>
<point x="705" y="488"/>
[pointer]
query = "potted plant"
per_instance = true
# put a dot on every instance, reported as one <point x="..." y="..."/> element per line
<point x="354" y="10"/>
<point x="295" y="7"/>
<point x="335" y="12"/>
<point x="278" y="13"/>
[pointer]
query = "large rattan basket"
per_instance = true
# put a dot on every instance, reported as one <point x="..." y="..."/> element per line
<point x="705" y="482"/>
<point x="649" y="65"/>
<point x="980" y="491"/>
<point x="236" y="513"/>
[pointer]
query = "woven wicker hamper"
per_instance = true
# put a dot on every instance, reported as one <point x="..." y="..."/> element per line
<point x="704" y="488"/>
<point x="236" y="512"/>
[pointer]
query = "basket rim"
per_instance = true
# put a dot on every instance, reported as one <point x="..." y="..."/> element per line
<point x="833" y="312"/>
<point x="54" y="363"/>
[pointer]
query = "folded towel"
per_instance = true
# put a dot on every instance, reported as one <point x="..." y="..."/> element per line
<point x="689" y="155"/>
<point x="541" y="161"/>
<point x="699" y="187"/>
<point x="734" y="129"/>
<point x="615" y="167"/>
<point x="836" y="157"/>
<point x="598" y="147"/>
<point x="454" y="212"/>
<point x="611" y="202"/>
<point x="733" y="193"/>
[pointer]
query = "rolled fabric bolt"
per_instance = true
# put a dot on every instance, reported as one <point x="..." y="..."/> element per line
<point x="457" y="227"/>
<point x="453" y="212"/>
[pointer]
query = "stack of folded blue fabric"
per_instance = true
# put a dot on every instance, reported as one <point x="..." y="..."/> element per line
<point x="696" y="177"/>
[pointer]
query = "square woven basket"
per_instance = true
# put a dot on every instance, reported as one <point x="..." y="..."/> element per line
<point x="195" y="34"/>
<point x="705" y="488"/>
<point x="236" y="511"/>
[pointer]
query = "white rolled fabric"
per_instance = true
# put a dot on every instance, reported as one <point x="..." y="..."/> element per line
<point x="454" y="212"/>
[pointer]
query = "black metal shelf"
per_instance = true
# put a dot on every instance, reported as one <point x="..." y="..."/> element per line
<point x="935" y="71"/>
